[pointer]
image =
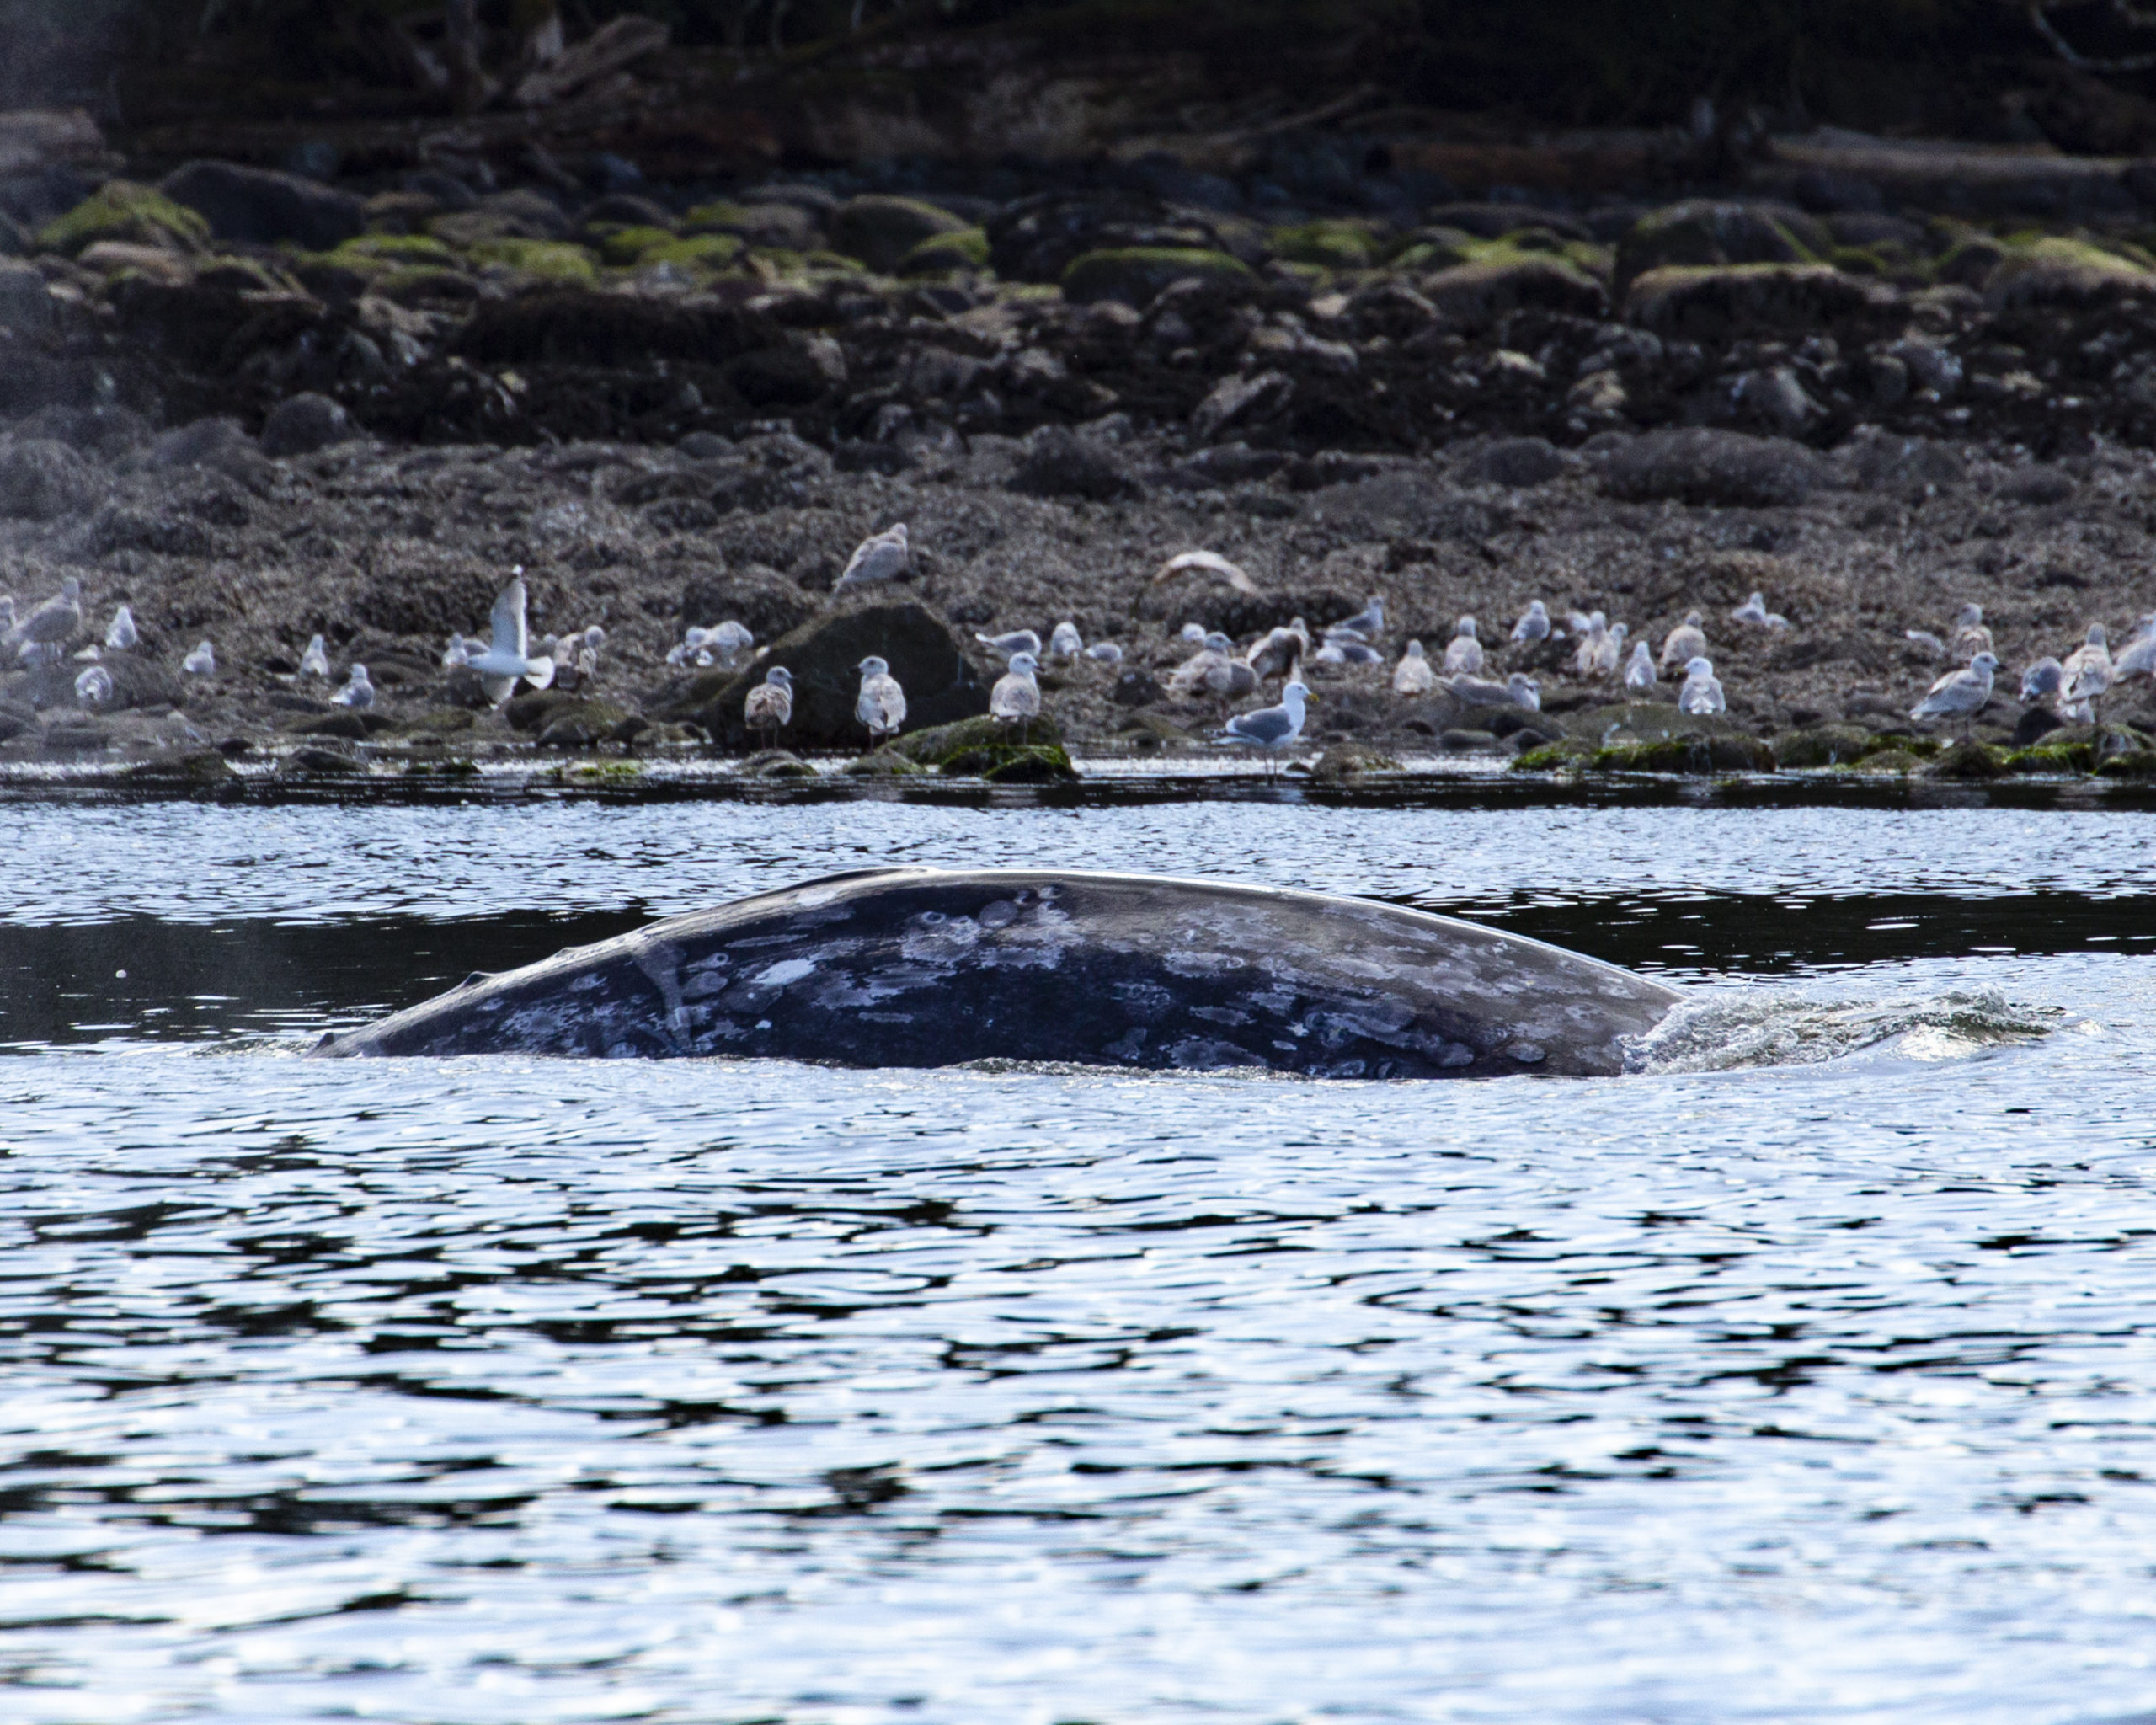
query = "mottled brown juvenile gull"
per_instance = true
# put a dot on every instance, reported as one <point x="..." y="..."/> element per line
<point x="1685" y="642"/>
<point x="1960" y="694"/>
<point x="769" y="708"/>
<point x="881" y="557"/>
<point x="1016" y="697"/>
<point x="881" y="705"/>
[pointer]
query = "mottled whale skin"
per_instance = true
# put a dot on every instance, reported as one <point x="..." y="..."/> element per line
<point x="921" y="967"/>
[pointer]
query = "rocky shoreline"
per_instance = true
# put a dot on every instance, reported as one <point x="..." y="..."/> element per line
<point x="256" y="407"/>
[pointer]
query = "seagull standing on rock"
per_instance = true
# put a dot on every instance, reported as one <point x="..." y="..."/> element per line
<point x="1685" y="642"/>
<point x="93" y="687"/>
<point x="1463" y="653"/>
<point x="508" y="658"/>
<point x="1005" y="647"/>
<point x="1065" y="642"/>
<point x="1016" y="699"/>
<point x="2042" y="680"/>
<point x="122" y="637"/>
<point x="1960" y="694"/>
<point x="1519" y="689"/>
<point x="1702" y="690"/>
<point x="879" y="558"/>
<point x="1413" y="676"/>
<point x="1754" y="611"/>
<point x="357" y="693"/>
<point x="1639" y="671"/>
<point x="881" y="704"/>
<point x="1105" y="653"/>
<point x="314" y="661"/>
<point x="2139" y="657"/>
<point x="769" y="708"/>
<point x="202" y="661"/>
<point x="1534" y="624"/>
<point x="1273" y="729"/>
<point x="1366" y="625"/>
<point x="2089" y="673"/>
<point x="43" y="636"/>
<point x="1970" y="636"/>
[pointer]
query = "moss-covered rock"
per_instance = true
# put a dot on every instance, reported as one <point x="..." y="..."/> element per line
<point x="546" y="259"/>
<point x="130" y="213"/>
<point x="1826" y="745"/>
<point x="784" y="225"/>
<point x="2137" y="763"/>
<point x="1703" y="234"/>
<point x="1891" y="763"/>
<point x="880" y="231"/>
<point x="441" y="722"/>
<point x="2051" y="270"/>
<point x="1549" y="757"/>
<point x="1686" y="755"/>
<point x="988" y="748"/>
<point x="776" y="763"/>
<point x="1708" y="304"/>
<point x="1134" y="275"/>
<point x="1330" y="244"/>
<point x="883" y="763"/>
<point x="1344" y="763"/>
<point x="622" y="247"/>
<point x="1967" y="759"/>
<point x="1474" y="296"/>
<point x="695" y="251"/>
<point x="380" y="250"/>
<point x="965" y="249"/>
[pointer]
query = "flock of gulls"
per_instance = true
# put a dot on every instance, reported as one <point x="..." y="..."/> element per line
<point x="1217" y="670"/>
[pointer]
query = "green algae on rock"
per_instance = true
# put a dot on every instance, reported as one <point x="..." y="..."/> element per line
<point x="1135" y="275"/>
<point x="130" y="213"/>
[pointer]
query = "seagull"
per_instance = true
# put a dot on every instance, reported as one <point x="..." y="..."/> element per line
<point x="1366" y="625"/>
<point x="1212" y="563"/>
<point x="769" y="708"/>
<point x="2041" y="680"/>
<point x="2088" y="672"/>
<point x="587" y="654"/>
<point x="881" y="557"/>
<point x="202" y="662"/>
<point x="1702" y="690"/>
<point x="1534" y="624"/>
<point x="458" y="652"/>
<point x="730" y="643"/>
<point x="122" y="637"/>
<point x="1065" y="642"/>
<point x="507" y="658"/>
<point x="882" y="704"/>
<point x="314" y="661"/>
<point x="1025" y="641"/>
<point x="1463" y="653"/>
<point x="2138" y="658"/>
<point x="1588" y="654"/>
<point x="357" y="692"/>
<point x="1685" y="642"/>
<point x="1272" y="728"/>
<point x="93" y="687"/>
<point x="1930" y="643"/>
<point x="1280" y="651"/>
<point x="1754" y="611"/>
<point x="1107" y="652"/>
<point x="1970" y="636"/>
<point x="44" y="634"/>
<point x="1215" y="670"/>
<point x="1638" y="670"/>
<point x="1609" y="651"/>
<point x="1193" y="632"/>
<point x="1519" y="689"/>
<point x="1960" y="694"/>
<point x="1016" y="699"/>
<point x="1346" y="650"/>
<point x="1412" y="675"/>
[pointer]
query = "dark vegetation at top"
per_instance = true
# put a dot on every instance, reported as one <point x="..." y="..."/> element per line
<point x="2068" y="73"/>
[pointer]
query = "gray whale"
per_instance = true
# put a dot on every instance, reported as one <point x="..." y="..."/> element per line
<point x="921" y="967"/>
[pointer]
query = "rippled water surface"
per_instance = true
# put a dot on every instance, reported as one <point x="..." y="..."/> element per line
<point x="1810" y="1375"/>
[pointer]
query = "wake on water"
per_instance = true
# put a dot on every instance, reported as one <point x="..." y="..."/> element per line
<point x="1730" y="1029"/>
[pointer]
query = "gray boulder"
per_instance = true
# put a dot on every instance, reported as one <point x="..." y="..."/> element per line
<point x="1703" y="467"/>
<point x="41" y="478"/>
<point x="25" y="302"/>
<point x="880" y="231"/>
<point x="941" y="687"/>
<point x="302" y="424"/>
<point x="259" y="206"/>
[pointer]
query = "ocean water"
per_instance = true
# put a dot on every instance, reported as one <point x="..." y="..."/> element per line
<point x="1807" y="1374"/>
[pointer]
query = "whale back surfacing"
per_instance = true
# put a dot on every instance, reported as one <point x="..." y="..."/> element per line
<point x="924" y="968"/>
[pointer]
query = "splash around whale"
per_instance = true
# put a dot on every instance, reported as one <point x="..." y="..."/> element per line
<point x="923" y="967"/>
